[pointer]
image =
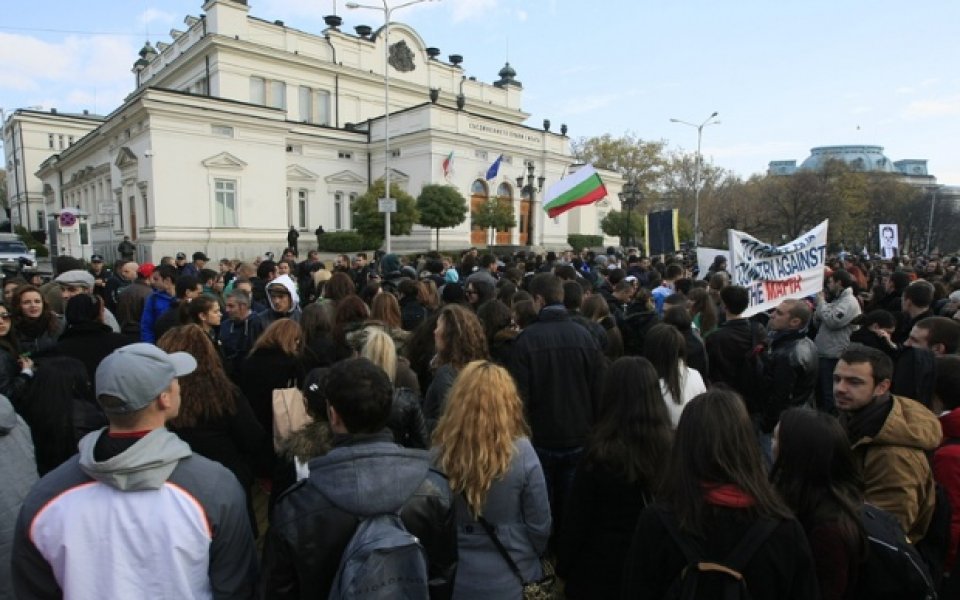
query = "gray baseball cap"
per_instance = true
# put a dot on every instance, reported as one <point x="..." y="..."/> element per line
<point x="136" y="374"/>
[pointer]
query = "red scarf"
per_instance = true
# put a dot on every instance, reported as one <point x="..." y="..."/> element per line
<point x="727" y="495"/>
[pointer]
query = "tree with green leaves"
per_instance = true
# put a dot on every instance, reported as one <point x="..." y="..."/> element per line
<point x="441" y="206"/>
<point x="368" y="220"/>
<point x="496" y="214"/>
<point x="637" y="160"/>
<point x="616" y="224"/>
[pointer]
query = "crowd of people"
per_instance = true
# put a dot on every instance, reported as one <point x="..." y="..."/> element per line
<point x="598" y="423"/>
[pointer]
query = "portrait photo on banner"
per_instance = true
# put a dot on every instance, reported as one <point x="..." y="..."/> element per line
<point x="889" y="241"/>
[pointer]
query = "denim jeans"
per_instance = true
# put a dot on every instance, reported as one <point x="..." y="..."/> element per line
<point x="559" y="465"/>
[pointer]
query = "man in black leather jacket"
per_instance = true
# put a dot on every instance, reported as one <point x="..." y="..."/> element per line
<point x="792" y="363"/>
<point x="365" y="474"/>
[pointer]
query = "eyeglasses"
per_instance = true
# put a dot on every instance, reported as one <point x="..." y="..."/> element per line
<point x="5" y="317"/>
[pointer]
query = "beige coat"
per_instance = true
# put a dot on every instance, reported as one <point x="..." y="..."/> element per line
<point x="896" y="473"/>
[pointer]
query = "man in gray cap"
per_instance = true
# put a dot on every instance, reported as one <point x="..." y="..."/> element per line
<point x="136" y="512"/>
<point x="79" y="281"/>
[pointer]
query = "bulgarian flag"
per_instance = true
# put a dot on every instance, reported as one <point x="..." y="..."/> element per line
<point x="448" y="164"/>
<point x="582" y="188"/>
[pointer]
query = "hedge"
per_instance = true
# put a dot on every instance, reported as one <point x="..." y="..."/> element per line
<point x="579" y="242"/>
<point x="345" y="241"/>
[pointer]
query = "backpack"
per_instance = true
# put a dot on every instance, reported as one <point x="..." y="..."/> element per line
<point x="723" y="579"/>
<point x="893" y="568"/>
<point x="382" y="561"/>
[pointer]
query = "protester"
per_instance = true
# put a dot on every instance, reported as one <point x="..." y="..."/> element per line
<point x="816" y="474"/>
<point x="365" y="475"/>
<point x="482" y="444"/>
<point x="192" y="535"/>
<point x="459" y="339"/>
<point x="622" y="468"/>
<point x="406" y="415"/>
<point x="18" y="471"/>
<point x="716" y="495"/>
<point x="86" y="337"/>
<point x="791" y="362"/>
<point x="274" y="363"/>
<point x="666" y="349"/>
<point x="16" y="370"/>
<point x="36" y="326"/>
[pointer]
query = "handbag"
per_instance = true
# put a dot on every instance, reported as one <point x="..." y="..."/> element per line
<point x="289" y="413"/>
<point x="546" y="588"/>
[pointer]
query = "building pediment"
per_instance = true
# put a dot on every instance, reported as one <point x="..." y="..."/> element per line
<point x="125" y="158"/>
<point x="345" y="177"/>
<point x="298" y="173"/>
<point x="398" y="176"/>
<point x="224" y="160"/>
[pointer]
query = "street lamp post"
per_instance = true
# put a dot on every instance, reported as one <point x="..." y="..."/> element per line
<point x="531" y="192"/>
<point x="696" y="192"/>
<point x="933" y="205"/>
<point x="630" y="198"/>
<point x="387" y="12"/>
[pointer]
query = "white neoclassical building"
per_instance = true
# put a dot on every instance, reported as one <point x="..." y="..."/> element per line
<point x="239" y="128"/>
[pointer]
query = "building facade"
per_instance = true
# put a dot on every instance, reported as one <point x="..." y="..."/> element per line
<point x="239" y="128"/>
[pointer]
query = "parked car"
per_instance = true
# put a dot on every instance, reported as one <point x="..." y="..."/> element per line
<point x="14" y="255"/>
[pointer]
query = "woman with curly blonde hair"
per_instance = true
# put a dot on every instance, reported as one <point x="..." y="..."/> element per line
<point x="459" y="339"/>
<point x="481" y="443"/>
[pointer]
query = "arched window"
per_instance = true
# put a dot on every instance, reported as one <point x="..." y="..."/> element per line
<point x="479" y="188"/>
<point x="505" y="191"/>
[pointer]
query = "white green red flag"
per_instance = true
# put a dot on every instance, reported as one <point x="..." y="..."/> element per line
<point x="448" y="165"/>
<point x="581" y="188"/>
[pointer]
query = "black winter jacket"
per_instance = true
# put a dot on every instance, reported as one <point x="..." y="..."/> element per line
<point x="406" y="420"/>
<point x="727" y="350"/>
<point x="558" y="367"/>
<point x="791" y="375"/>
<point x="362" y="476"/>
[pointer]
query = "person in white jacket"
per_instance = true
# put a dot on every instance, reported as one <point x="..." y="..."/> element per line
<point x="835" y="324"/>
<point x="665" y="348"/>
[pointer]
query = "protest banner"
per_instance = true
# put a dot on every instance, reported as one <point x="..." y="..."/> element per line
<point x="889" y="240"/>
<point x="705" y="258"/>
<point x="772" y="274"/>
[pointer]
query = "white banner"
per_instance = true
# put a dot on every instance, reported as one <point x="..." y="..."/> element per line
<point x="774" y="273"/>
<point x="705" y="258"/>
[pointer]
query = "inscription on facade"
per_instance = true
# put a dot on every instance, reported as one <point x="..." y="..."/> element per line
<point x="503" y="132"/>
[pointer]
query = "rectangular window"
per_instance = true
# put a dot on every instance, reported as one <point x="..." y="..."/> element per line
<point x="258" y="90"/>
<point x="39" y="220"/>
<point x="226" y="202"/>
<point x="278" y="94"/>
<point x="338" y="211"/>
<point x="222" y="130"/>
<point x="302" y="209"/>
<point x="323" y="107"/>
<point x="70" y="140"/>
<point x="201" y="86"/>
<point x="306" y="104"/>
<point x="295" y="148"/>
<point x="61" y="141"/>
<point x="50" y="140"/>
<point x="480" y="154"/>
<point x="395" y="153"/>
<point x="345" y="155"/>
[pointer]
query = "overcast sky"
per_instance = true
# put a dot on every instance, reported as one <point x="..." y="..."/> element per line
<point x="785" y="77"/>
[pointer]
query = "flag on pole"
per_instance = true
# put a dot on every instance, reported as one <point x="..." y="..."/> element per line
<point x="448" y="165"/>
<point x="579" y="189"/>
<point x="494" y="168"/>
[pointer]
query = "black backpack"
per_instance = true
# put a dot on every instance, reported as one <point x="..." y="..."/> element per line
<point x="724" y="579"/>
<point x="893" y="569"/>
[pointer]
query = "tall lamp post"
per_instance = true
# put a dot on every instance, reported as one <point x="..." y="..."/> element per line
<point x="387" y="11"/>
<point x="933" y="204"/>
<point x="630" y="198"/>
<point x="531" y="192"/>
<point x="696" y="192"/>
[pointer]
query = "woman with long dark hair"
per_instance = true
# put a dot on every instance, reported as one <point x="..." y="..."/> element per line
<point x="37" y="326"/>
<point x="15" y="370"/>
<point x="215" y="418"/>
<point x="621" y="469"/>
<point x="274" y="362"/>
<point x="703" y="311"/>
<point x="717" y="494"/>
<point x="665" y="347"/>
<point x="817" y="476"/>
<point x="459" y="339"/>
<point x="499" y="328"/>
<point x="482" y="444"/>
<point x="596" y="308"/>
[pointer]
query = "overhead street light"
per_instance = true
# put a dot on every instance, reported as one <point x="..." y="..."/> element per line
<point x="387" y="11"/>
<point x="696" y="192"/>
